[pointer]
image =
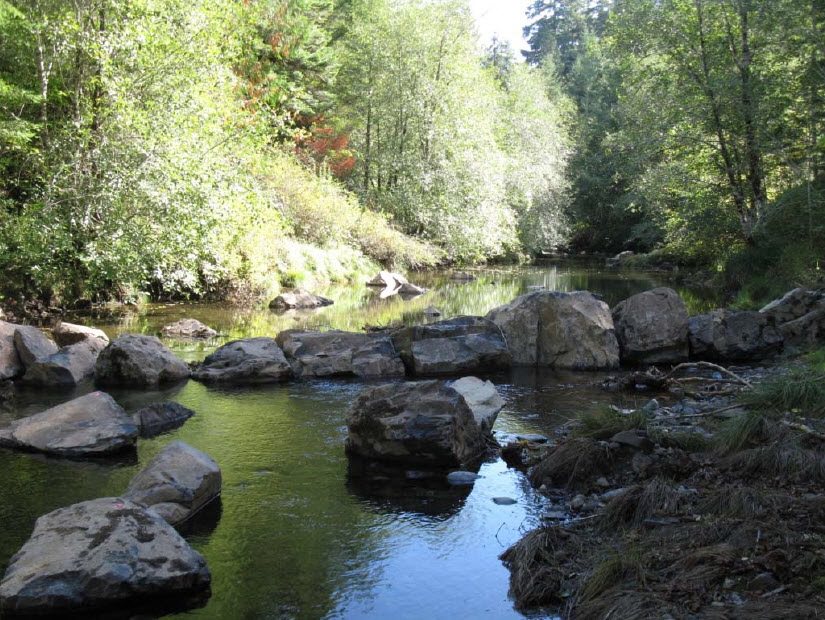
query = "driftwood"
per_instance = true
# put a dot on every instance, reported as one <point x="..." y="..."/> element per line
<point x="653" y="379"/>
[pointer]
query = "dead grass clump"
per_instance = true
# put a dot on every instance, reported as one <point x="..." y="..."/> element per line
<point x="539" y="566"/>
<point x="737" y="502"/>
<point x="702" y="567"/>
<point x="605" y="422"/>
<point x="683" y="440"/>
<point x="745" y="430"/>
<point x="622" y="603"/>
<point x="571" y="464"/>
<point x="612" y="571"/>
<point x="786" y="459"/>
<point x="630" y="509"/>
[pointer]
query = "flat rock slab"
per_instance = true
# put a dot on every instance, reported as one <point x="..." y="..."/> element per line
<point x="33" y="345"/>
<point x="65" y="334"/>
<point x="92" y="425"/>
<point x="177" y="483"/>
<point x="559" y="330"/>
<point x="158" y="418"/>
<point x="424" y="423"/>
<point x="190" y="329"/>
<point x="299" y="299"/>
<point x="100" y="554"/>
<point x="465" y="344"/>
<point x="133" y="360"/>
<point x="66" y="368"/>
<point x="249" y="361"/>
<point x="337" y="354"/>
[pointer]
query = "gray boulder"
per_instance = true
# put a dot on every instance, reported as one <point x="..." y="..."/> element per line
<point x="103" y="553"/>
<point x="139" y="361"/>
<point x="65" y="334"/>
<point x="794" y="305"/>
<point x="68" y="367"/>
<point x="32" y="345"/>
<point x="158" y="418"/>
<point x="464" y="344"/>
<point x="620" y="259"/>
<point x="652" y="327"/>
<point x="91" y="425"/>
<point x="561" y="330"/>
<point x="190" y="329"/>
<point x="727" y="335"/>
<point x="388" y="279"/>
<point x="806" y="331"/>
<point x="482" y="398"/>
<point x="177" y="483"/>
<point x="337" y="353"/>
<point x="299" y="299"/>
<point x="426" y="423"/>
<point x="253" y="360"/>
<point x="411" y="290"/>
<point x="11" y="365"/>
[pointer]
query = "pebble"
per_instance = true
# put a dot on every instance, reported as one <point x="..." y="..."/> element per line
<point x="462" y="478"/>
<point x="577" y="503"/>
<point x="651" y="406"/>
<point x="504" y="501"/>
<point x="602" y="482"/>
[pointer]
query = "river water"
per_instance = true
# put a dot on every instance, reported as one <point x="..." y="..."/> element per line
<point x="295" y="534"/>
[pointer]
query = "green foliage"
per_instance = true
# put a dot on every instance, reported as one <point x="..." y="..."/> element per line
<point x="801" y="390"/>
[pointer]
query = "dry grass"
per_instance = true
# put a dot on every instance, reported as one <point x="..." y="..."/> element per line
<point x="605" y="422"/>
<point x="786" y="459"/>
<point x="630" y="509"/>
<point x="737" y="502"/>
<point x="571" y="464"/>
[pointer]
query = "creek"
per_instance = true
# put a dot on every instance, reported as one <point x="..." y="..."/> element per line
<point x="295" y="535"/>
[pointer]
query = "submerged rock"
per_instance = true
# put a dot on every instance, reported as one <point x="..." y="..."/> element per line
<point x="249" y="361"/>
<point x="462" y="478"/>
<point x="726" y="335"/>
<point x="68" y="367"/>
<point x="411" y="290"/>
<point x="177" y="483"/>
<point x="561" y="330"/>
<point x="652" y="327"/>
<point x="11" y="365"/>
<point x="65" y="334"/>
<point x="189" y="328"/>
<point x="299" y="299"/>
<point x="158" y="418"/>
<point x="139" y="361"/>
<point x="102" y="553"/>
<point x="426" y="423"/>
<point x="337" y="353"/>
<point x="92" y="425"/>
<point x="460" y="345"/>
<point x="32" y="345"/>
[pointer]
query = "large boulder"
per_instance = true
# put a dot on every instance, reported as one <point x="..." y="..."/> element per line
<point x="461" y="345"/>
<point x="139" y="361"/>
<point x="158" y="418"/>
<point x="482" y="398"/>
<point x="68" y="367"/>
<point x="32" y="345"/>
<point x="65" y="334"/>
<point x="91" y="425"/>
<point x="177" y="483"/>
<point x="806" y="331"/>
<point x="727" y="335"/>
<point x="652" y="327"/>
<point x="794" y="305"/>
<point x="188" y="328"/>
<point x="10" y="363"/>
<point x="561" y="330"/>
<point x="337" y="353"/>
<point x="425" y="423"/>
<point x="100" y="554"/>
<point x="254" y="360"/>
<point x="299" y="299"/>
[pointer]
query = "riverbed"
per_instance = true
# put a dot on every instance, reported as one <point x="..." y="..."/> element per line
<point x="296" y="534"/>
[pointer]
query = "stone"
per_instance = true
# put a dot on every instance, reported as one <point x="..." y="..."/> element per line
<point x="248" y="361"/>
<point x="620" y="259"/>
<point x="806" y="331"/>
<point x="432" y="311"/>
<point x="483" y="399"/>
<point x="561" y="330"/>
<point x="91" y="425"/>
<point x="727" y="335"/>
<point x="411" y="290"/>
<point x="462" y="478"/>
<point x="532" y="438"/>
<point x="652" y="327"/>
<point x="299" y="299"/>
<point x="465" y="344"/>
<point x="134" y="360"/>
<point x="32" y="345"/>
<point x="651" y="406"/>
<point x="188" y="328"/>
<point x="158" y="418"/>
<point x="99" y="554"/>
<point x="388" y="279"/>
<point x="424" y="423"/>
<point x="65" y="334"/>
<point x="70" y="366"/>
<point x="632" y="439"/>
<point x="641" y="464"/>
<point x="504" y="501"/>
<point x="462" y="276"/>
<point x="177" y="483"/>
<point x="11" y="365"/>
<point x="794" y="305"/>
<point x="340" y="354"/>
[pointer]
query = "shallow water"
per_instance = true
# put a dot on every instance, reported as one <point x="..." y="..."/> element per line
<point x="296" y="534"/>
